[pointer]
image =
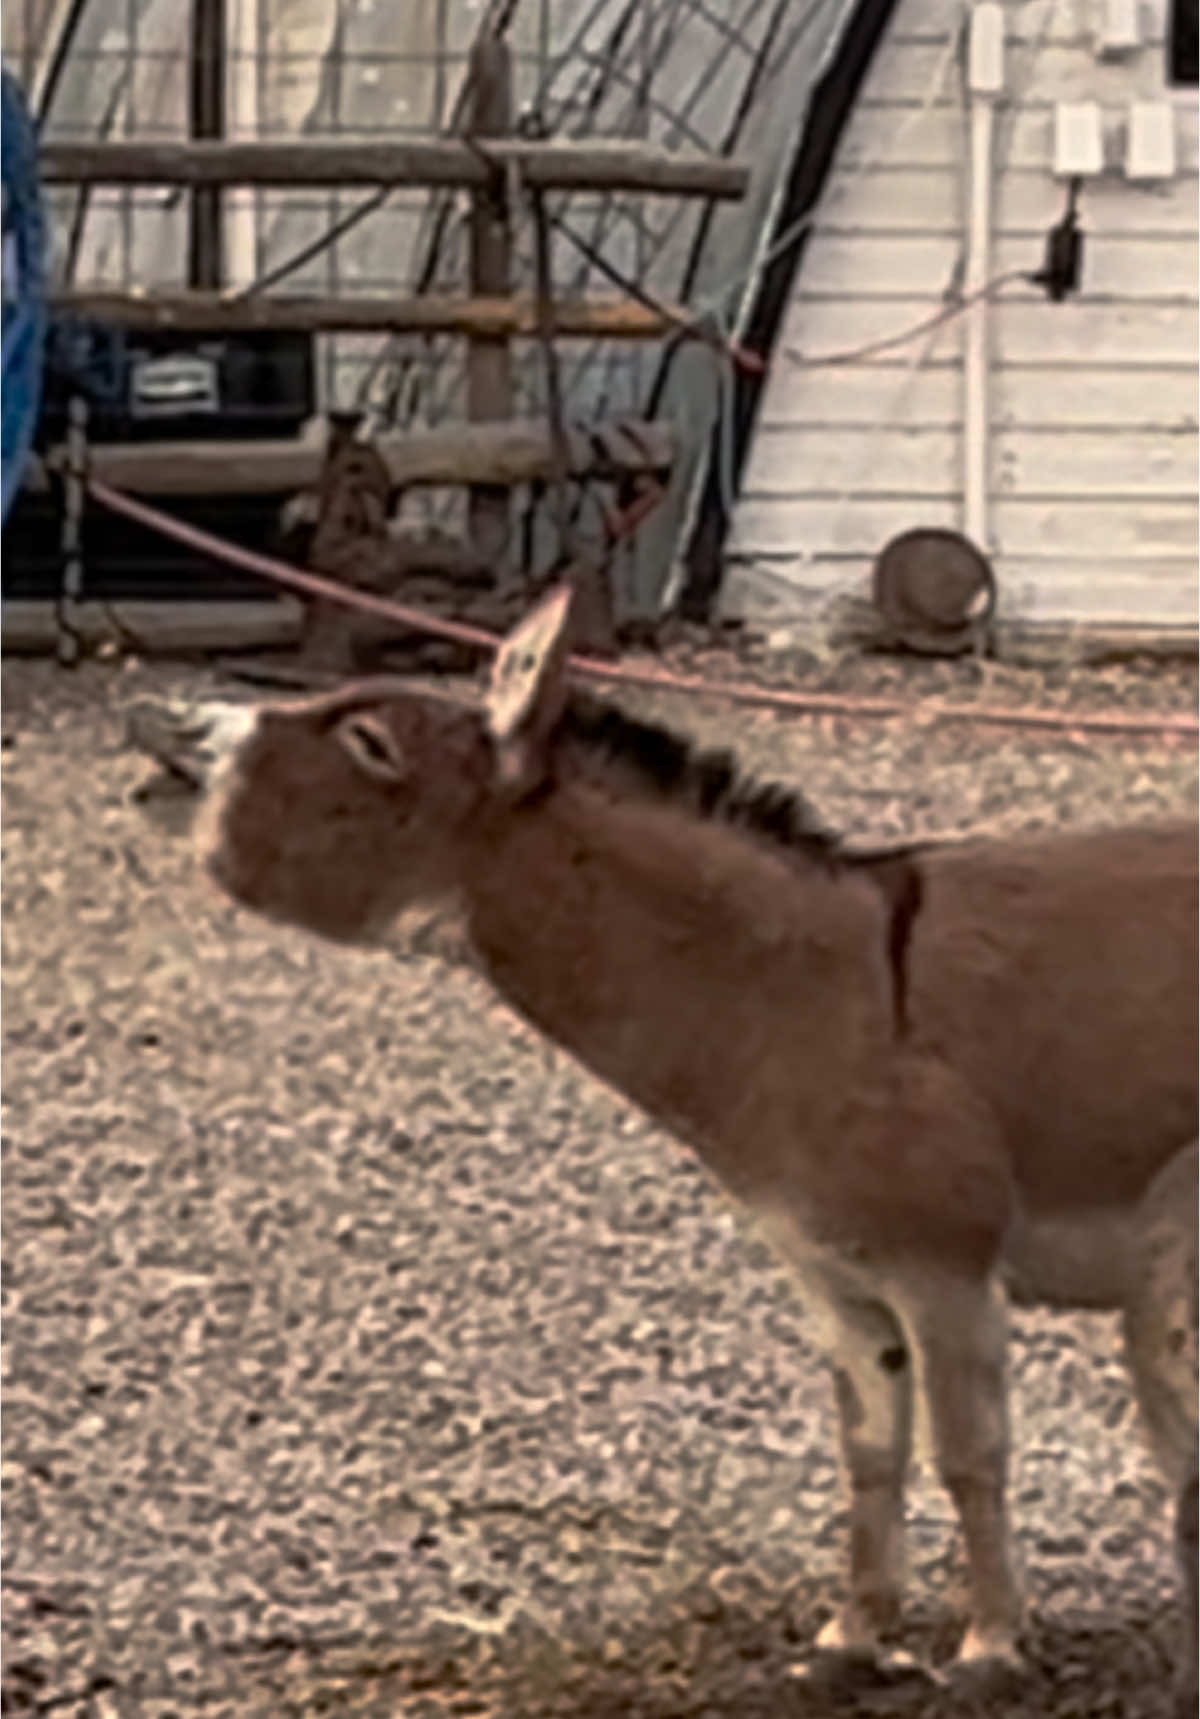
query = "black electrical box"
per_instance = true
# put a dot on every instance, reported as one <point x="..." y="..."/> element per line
<point x="124" y="561"/>
<point x="161" y="385"/>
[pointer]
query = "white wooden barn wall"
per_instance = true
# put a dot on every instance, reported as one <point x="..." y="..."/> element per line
<point x="1093" y="475"/>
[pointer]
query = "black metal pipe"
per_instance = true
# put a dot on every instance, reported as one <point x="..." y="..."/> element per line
<point x="206" y="119"/>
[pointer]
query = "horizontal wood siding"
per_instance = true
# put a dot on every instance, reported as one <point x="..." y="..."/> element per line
<point x="1026" y="135"/>
<point x="1033" y="464"/>
<point x="1076" y="529"/>
<point x="1094" y="408"/>
<point x="1099" y="593"/>
<point x="1059" y="71"/>
<point x="1066" y="336"/>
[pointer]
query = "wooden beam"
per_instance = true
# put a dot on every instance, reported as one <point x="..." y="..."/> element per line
<point x="30" y="627"/>
<point x="202" y="312"/>
<point x="515" y="452"/>
<point x="567" y="166"/>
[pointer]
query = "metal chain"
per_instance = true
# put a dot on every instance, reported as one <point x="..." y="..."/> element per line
<point x="69" y="645"/>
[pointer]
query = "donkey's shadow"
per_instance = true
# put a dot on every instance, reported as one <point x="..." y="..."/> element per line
<point x="747" y="1663"/>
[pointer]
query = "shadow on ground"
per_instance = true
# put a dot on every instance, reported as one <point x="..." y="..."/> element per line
<point x="697" y="1665"/>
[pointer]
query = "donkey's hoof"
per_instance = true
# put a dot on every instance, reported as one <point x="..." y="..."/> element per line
<point x="840" y="1634"/>
<point x="989" y="1661"/>
<point x="840" y="1666"/>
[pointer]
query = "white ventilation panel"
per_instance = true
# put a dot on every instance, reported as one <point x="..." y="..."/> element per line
<point x="1118" y="28"/>
<point x="1150" y="141"/>
<point x="1078" y="140"/>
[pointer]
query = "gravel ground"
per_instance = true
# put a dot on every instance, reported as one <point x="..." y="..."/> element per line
<point x="363" y="1356"/>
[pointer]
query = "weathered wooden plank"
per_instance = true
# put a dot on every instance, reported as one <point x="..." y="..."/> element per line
<point x="1060" y="530"/>
<point x="510" y="453"/>
<point x="1159" y="464"/>
<point x="926" y="463"/>
<point x="929" y="200"/>
<point x="1125" y="267"/>
<point x="1125" y="400"/>
<point x="827" y="462"/>
<point x="862" y="396"/>
<point x="31" y="628"/>
<point x="1060" y="335"/>
<point x="767" y="526"/>
<point x="905" y="71"/>
<point x="856" y="396"/>
<point x="1080" y="530"/>
<point x="1090" y="334"/>
<point x="892" y="135"/>
<point x="557" y="166"/>
<point x="620" y="319"/>
<point x="1108" y="208"/>
<point x="1149" y="596"/>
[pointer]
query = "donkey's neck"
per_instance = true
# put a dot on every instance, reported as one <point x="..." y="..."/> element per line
<point x="734" y="1000"/>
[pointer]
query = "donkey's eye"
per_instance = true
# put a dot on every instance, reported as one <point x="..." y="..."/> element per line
<point x="373" y="747"/>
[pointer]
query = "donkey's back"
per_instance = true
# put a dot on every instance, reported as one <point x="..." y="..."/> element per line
<point x="1057" y="974"/>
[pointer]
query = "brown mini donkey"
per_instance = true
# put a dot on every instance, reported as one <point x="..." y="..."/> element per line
<point x="935" y="1076"/>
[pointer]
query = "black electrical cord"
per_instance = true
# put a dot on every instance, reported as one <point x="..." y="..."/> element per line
<point x="1059" y="275"/>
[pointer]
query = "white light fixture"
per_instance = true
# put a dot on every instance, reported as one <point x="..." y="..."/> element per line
<point x="1078" y="142"/>
<point x="1150" y="141"/>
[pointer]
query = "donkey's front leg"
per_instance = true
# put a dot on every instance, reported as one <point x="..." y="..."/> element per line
<point x="956" y="1330"/>
<point x="873" y="1384"/>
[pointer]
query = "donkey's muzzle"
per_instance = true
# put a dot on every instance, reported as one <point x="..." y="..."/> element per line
<point x="189" y="741"/>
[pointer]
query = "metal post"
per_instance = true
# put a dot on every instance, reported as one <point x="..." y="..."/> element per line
<point x="206" y="119"/>
<point x="489" y="362"/>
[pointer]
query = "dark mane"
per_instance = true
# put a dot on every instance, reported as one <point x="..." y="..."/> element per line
<point x="707" y="781"/>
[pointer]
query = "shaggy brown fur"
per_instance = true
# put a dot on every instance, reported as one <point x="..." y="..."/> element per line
<point x="704" y="946"/>
<point x="652" y="759"/>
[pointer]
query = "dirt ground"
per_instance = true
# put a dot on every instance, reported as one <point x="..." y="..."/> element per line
<point x="362" y="1356"/>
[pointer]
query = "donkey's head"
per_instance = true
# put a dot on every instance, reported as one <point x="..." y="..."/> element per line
<point x="338" y="813"/>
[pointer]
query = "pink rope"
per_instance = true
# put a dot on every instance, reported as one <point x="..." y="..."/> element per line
<point x="732" y="692"/>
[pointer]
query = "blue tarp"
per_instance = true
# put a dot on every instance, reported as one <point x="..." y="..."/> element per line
<point x="24" y="311"/>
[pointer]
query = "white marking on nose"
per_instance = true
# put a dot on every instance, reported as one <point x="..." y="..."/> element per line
<point x="225" y="728"/>
<point x="192" y="739"/>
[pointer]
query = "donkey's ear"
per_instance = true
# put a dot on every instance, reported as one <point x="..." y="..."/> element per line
<point x="528" y="688"/>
